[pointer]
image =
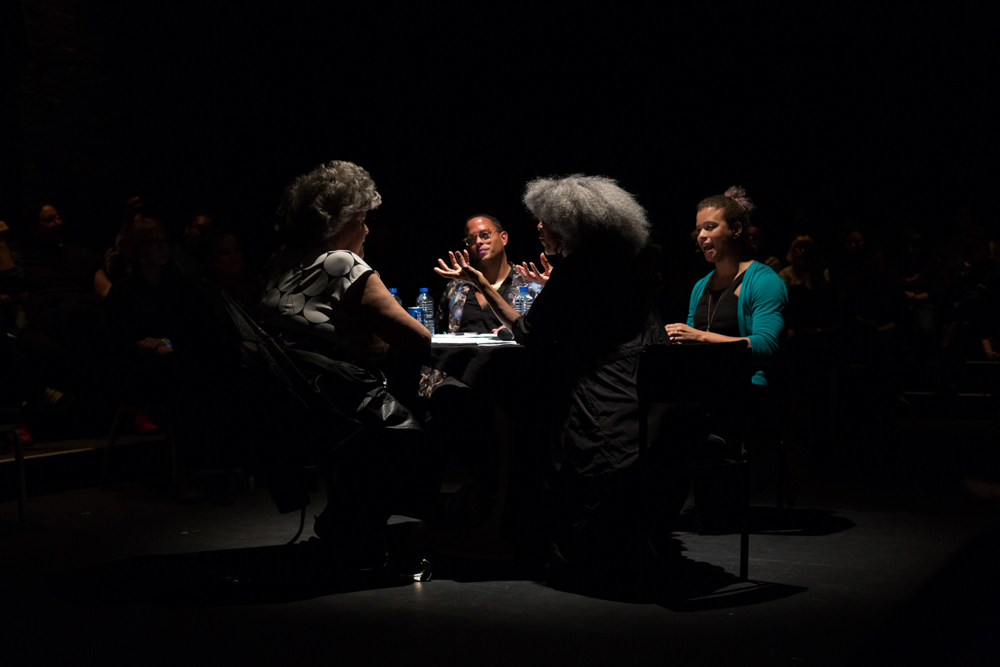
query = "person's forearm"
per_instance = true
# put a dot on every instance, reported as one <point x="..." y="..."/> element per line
<point x="709" y="337"/>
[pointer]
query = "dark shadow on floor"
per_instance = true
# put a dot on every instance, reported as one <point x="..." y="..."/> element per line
<point x="769" y="521"/>
<point x="258" y="575"/>
<point x="673" y="581"/>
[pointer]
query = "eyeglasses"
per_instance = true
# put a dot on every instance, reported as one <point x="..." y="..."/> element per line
<point x="484" y="235"/>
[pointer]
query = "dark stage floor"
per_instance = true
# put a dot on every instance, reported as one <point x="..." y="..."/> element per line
<point x="880" y="560"/>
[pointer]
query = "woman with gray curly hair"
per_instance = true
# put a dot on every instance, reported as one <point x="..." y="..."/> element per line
<point x="585" y="332"/>
<point x="339" y="323"/>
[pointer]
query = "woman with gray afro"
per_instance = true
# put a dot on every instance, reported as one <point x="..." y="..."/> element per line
<point x="584" y="334"/>
<point x="341" y="326"/>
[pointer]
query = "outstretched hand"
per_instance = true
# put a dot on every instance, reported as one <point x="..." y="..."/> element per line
<point x="460" y="268"/>
<point x="531" y="273"/>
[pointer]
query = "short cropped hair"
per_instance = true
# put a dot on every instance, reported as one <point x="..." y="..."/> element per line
<point x="496" y="223"/>
<point x="318" y="205"/>
<point x="589" y="213"/>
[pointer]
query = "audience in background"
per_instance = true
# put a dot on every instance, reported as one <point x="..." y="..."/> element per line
<point x="759" y="249"/>
<point x="189" y="253"/>
<point x="796" y="272"/>
<point x="224" y="267"/>
<point x="167" y="349"/>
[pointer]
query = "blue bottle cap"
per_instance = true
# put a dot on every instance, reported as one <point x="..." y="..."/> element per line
<point x="423" y="289"/>
<point x="392" y="290"/>
<point x="522" y="288"/>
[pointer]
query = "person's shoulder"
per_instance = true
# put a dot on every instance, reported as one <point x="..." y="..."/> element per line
<point x="336" y="263"/>
<point x="763" y="277"/>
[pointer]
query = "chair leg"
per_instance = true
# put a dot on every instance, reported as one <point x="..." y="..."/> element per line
<point x="115" y="427"/>
<point x="744" y="524"/>
<point x="781" y="463"/>
<point x="22" y="498"/>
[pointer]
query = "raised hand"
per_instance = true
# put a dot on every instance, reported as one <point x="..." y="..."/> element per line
<point x="460" y="268"/>
<point x="531" y="273"/>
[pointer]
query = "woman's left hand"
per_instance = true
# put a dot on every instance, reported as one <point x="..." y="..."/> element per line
<point x="460" y="268"/>
<point x="682" y="333"/>
<point x="531" y="273"/>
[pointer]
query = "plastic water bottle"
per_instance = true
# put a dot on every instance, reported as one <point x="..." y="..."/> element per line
<point x="392" y="291"/>
<point x="522" y="302"/>
<point x="426" y="304"/>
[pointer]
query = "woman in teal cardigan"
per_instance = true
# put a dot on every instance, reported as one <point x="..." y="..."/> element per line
<point x="741" y="299"/>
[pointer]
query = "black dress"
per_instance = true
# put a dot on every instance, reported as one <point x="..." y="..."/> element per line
<point x="585" y="332"/>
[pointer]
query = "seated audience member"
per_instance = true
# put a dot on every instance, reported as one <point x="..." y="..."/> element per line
<point x="340" y="325"/>
<point x="463" y="308"/>
<point x="812" y="303"/>
<point x="588" y="413"/>
<point x="871" y="304"/>
<point x="975" y="299"/>
<point x="168" y="351"/>
<point x="759" y="250"/>
<point x="13" y="296"/>
<point x="66" y="283"/>
<point x="189" y="252"/>
<point x="225" y="268"/>
<point x="920" y="280"/>
<point x="796" y="272"/>
<point x="114" y="263"/>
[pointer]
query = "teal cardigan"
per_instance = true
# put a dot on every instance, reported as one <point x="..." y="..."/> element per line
<point x="761" y="312"/>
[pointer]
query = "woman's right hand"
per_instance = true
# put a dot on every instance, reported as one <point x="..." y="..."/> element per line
<point x="460" y="269"/>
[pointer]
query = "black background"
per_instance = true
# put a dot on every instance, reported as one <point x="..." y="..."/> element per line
<point x="826" y="117"/>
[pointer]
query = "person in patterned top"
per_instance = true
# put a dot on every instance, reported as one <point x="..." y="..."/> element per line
<point x="339" y="323"/>
<point x="463" y="308"/>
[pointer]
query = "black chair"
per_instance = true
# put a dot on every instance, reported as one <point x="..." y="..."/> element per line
<point x="686" y="374"/>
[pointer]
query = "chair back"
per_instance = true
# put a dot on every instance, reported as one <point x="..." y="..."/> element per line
<point x="670" y="373"/>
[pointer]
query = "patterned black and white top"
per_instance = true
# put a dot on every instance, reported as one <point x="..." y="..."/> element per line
<point x="303" y="295"/>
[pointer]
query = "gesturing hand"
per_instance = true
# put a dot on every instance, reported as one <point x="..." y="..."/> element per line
<point x="460" y="268"/>
<point x="682" y="333"/>
<point x="531" y="273"/>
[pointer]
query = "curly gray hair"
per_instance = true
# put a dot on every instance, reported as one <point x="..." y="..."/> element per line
<point x="318" y="205"/>
<point x="589" y="212"/>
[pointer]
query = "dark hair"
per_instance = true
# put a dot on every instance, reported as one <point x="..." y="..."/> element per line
<point x="30" y="215"/>
<point x="735" y="207"/>
<point x="133" y="238"/>
<point x="496" y="223"/>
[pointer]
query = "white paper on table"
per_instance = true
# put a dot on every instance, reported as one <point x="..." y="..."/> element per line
<point x="469" y="339"/>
